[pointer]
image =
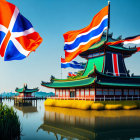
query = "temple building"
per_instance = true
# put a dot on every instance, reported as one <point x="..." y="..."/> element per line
<point x="105" y="75"/>
<point x="25" y="92"/>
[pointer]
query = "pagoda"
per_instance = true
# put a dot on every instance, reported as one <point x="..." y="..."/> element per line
<point x="105" y="75"/>
<point x="25" y="92"/>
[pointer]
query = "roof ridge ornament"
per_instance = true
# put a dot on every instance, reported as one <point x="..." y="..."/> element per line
<point x="119" y="37"/>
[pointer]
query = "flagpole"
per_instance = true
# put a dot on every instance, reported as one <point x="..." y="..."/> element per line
<point x="61" y="68"/>
<point x="108" y="21"/>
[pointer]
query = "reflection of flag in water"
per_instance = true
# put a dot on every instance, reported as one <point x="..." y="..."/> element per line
<point x="17" y="36"/>
<point x="128" y="42"/>
<point x="80" y="40"/>
<point x="71" y="74"/>
<point x="72" y="64"/>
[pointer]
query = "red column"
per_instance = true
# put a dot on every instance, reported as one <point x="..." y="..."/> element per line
<point x="59" y="92"/>
<point x="84" y="92"/>
<point x="89" y="92"/>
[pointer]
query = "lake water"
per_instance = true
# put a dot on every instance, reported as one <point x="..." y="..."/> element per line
<point x="52" y="123"/>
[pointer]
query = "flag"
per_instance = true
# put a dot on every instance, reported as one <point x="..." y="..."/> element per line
<point x="17" y="35"/>
<point x="72" y="64"/>
<point x="80" y="40"/>
<point x="70" y="74"/>
<point x="133" y="41"/>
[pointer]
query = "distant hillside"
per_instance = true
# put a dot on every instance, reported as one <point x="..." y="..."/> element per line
<point x="44" y="94"/>
<point x="37" y="94"/>
<point x="8" y="94"/>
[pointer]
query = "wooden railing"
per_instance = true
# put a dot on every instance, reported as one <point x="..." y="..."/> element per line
<point x="105" y="98"/>
<point x="26" y="98"/>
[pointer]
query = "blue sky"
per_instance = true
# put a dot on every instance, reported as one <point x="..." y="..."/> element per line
<point x="52" y="18"/>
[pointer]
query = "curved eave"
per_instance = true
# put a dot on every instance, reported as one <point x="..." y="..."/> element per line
<point x="70" y="84"/>
<point x="98" y="47"/>
<point x="97" y="73"/>
<point x="19" y="90"/>
<point x="115" y="81"/>
<point x="65" y="80"/>
<point x="27" y="90"/>
<point x="31" y="90"/>
<point x="123" y="48"/>
<point x="101" y="46"/>
<point x="125" y="51"/>
<point x="117" y="84"/>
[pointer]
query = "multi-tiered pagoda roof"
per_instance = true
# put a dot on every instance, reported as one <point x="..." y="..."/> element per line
<point x="25" y="92"/>
<point x="105" y="68"/>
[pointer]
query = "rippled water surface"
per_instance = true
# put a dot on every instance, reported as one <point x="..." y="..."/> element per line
<point x="50" y="123"/>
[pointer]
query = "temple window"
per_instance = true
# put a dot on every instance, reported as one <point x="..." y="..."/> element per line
<point x="98" y="91"/>
<point x="131" y="91"/>
<point x="125" y="91"/>
<point x="82" y="92"/>
<point x="118" y="92"/>
<point x="105" y="91"/>
<point x="92" y="91"/>
<point x="87" y="91"/>
<point x="137" y="92"/>
<point x="111" y="91"/>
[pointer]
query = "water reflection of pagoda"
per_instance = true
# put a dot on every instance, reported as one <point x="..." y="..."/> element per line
<point x="105" y="75"/>
<point x="91" y="125"/>
<point x="26" y="109"/>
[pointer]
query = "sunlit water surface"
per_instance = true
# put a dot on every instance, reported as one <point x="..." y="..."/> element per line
<point x="50" y="123"/>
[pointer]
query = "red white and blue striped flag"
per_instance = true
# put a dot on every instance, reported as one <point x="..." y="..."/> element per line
<point x="17" y="35"/>
<point x="80" y="40"/>
<point x="70" y="74"/>
<point x="133" y="41"/>
<point x="72" y="64"/>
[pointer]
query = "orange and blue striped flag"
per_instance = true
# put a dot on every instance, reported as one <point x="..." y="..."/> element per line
<point x="80" y="40"/>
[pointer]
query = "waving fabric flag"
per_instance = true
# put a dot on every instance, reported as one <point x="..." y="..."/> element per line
<point x="80" y="40"/>
<point x="128" y="42"/>
<point x="70" y="74"/>
<point x="72" y="64"/>
<point x="17" y="36"/>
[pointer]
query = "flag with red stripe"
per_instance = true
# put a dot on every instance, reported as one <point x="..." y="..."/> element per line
<point x="70" y="74"/>
<point x="133" y="41"/>
<point x="17" y="35"/>
<point x="80" y="40"/>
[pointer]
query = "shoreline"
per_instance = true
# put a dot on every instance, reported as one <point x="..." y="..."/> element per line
<point x="91" y="105"/>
